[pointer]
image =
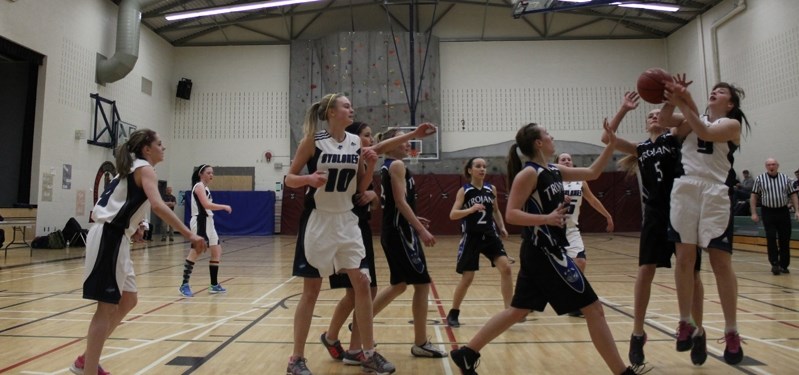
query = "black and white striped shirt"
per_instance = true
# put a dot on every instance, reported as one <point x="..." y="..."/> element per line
<point x="774" y="191"/>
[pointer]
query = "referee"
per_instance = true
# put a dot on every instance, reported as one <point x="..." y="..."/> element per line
<point x="774" y="190"/>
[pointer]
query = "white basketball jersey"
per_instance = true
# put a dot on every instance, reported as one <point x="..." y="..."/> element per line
<point x="707" y="160"/>
<point x="574" y="189"/>
<point x="195" y="204"/>
<point x="123" y="204"/>
<point x="340" y="161"/>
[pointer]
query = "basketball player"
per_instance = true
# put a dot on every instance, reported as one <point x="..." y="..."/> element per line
<point x="400" y="236"/>
<point x="481" y="224"/>
<point x="202" y="223"/>
<point x="329" y="240"/>
<point x="657" y="160"/>
<point x="701" y="210"/>
<point x="109" y="277"/>
<point x="576" y="190"/>
<point x="363" y="203"/>
<point x="547" y="275"/>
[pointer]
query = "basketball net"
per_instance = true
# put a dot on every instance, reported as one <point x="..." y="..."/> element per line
<point x="414" y="155"/>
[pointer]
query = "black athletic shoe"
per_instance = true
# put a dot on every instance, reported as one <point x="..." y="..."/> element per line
<point x="733" y="352"/>
<point x="685" y="334"/>
<point x="637" y="349"/>
<point x="775" y="270"/>
<point x="636" y="370"/>
<point x="699" y="351"/>
<point x="452" y="318"/>
<point x="466" y="359"/>
<point x="784" y="270"/>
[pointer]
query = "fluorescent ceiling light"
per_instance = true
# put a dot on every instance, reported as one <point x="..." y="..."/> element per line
<point x="650" y="6"/>
<point x="232" y="8"/>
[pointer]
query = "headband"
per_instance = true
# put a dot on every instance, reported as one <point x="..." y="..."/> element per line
<point x="200" y="169"/>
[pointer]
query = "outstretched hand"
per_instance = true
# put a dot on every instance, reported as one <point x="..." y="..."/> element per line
<point x="630" y="101"/>
<point x="677" y="91"/>
<point x="424" y="130"/>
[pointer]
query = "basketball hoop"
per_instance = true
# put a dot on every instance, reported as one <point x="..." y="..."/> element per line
<point x="416" y="149"/>
<point x="413" y="155"/>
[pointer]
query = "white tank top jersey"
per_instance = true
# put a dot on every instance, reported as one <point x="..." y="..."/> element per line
<point x="340" y="161"/>
<point x="574" y="189"/>
<point x="195" y="204"/>
<point x="706" y="160"/>
<point x="117" y="204"/>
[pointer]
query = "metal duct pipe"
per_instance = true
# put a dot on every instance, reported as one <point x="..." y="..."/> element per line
<point x="127" y="43"/>
<point x="739" y="6"/>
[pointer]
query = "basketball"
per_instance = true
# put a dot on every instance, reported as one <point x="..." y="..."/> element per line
<point x="651" y="84"/>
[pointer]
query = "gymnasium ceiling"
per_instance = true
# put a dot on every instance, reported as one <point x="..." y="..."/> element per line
<point x="463" y="20"/>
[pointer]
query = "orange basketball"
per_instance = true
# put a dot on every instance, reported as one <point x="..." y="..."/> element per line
<point x="652" y="83"/>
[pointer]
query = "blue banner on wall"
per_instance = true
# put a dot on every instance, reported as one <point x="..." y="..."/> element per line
<point x="253" y="213"/>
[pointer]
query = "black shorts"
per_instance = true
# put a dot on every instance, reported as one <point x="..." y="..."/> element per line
<point x="724" y="242"/>
<point x="340" y="281"/>
<point x="405" y="256"/>
<point x="550" y="277"/>
<point x="474" y="244"/>
<point x="655" y="247"/>
<point x="301" y="266"/>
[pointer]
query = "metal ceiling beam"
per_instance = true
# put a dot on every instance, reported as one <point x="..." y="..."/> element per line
<point x="577" y="27"/>
<point x="441" y="17"/>
<point x="404" y="28"/>
<point x="315" y="17"/>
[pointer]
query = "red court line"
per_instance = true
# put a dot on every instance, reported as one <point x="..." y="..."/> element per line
<point x="31" y="359"/>
<point x="57" y="348"/>
<point x="451" y="335"/>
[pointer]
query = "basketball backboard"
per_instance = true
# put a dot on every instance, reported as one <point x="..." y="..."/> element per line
<point x="427" y="147"/>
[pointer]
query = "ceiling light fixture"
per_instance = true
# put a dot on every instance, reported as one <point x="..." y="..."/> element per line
<point x="231" y="9"/>
<point x="651" y="6"/>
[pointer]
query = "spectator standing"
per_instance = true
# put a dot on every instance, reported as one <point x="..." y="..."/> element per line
<point x="171" y="202"/>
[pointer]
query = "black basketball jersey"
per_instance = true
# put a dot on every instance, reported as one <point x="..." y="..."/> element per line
<point x="480" y="221"/>
<point x="546" y="197"/>
<point x="658" y="165"/>
<point x="392" y="218"/>
<point x="363" y="212"/>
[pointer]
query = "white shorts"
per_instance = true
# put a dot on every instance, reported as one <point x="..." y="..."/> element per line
<point x="700" y="210"/>
<point x="333" y="242"/>
<point x="209" y="232"/>
<point x="123" y="272"/>
<point x="576" y="245"/>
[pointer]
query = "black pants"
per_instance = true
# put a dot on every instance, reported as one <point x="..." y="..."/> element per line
<point x="777" y="223"/>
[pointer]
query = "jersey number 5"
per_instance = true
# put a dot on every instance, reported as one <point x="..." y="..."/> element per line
<point x="704" y="147"/>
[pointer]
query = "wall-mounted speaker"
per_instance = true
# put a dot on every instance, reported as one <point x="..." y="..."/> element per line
<point x="184" y="89"/>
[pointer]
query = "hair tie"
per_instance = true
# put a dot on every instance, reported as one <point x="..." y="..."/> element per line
<point x="132" y="155"/>
<point x="520" y="154"/>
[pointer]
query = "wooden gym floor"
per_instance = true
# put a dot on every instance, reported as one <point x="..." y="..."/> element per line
<point x="249" y="330"/>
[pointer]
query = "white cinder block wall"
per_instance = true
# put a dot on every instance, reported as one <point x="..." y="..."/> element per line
<point x="240" y="95"/>
<point x="758" y="50"/>
<point x="70" y="34"/>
